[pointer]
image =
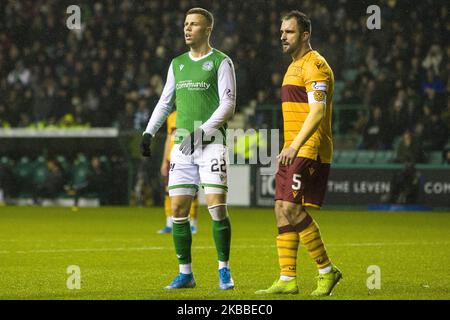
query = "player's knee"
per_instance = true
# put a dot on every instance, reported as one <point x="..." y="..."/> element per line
<point x="286" y="211"/>
<point x="278" y="206"/>
<point x="180" y="210"/>
<point x="218" y="212"/>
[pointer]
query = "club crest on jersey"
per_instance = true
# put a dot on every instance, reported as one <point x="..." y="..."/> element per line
<point x="207" y="66"/>
<point x="319" y="95"/>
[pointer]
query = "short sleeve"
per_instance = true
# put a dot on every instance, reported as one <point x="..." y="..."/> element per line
<point x="316" y="75"/>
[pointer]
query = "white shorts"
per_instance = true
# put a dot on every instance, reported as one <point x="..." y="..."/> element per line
<point x="206" y="167"/>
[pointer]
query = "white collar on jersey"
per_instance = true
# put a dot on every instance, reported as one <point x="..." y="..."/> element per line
<point x="200" y="58"/>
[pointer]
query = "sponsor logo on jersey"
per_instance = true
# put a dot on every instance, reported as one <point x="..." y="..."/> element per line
<point x="207" y="66"/>
<point x="230" y="94"/>
<point x="322" y="86"/>
<point x="191" y="85"/>
<point x="181" y="66"/>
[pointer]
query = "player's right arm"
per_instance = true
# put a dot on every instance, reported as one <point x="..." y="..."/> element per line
<point x="160" y="113"/>
<point x="317" y="78"/>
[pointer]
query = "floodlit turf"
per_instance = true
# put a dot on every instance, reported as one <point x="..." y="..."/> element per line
<point x="121" y="256"/>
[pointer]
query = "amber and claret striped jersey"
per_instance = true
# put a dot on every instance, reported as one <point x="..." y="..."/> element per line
<point x="171" y="126"/>
<point x="310" y="73"/>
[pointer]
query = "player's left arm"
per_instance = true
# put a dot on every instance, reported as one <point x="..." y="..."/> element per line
<point x="226" y="84"/>
<point x="316" y="81"/>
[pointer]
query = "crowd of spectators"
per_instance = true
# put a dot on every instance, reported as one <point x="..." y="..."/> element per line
<point x="49" y="178"/>
<point x="112" y="71"/>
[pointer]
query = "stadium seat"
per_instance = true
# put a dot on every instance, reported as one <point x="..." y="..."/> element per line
<point x="24" y="168"/>
<point x="435" y="157"/>
<point x="338" y="88"/>
<point x="63" y="163"/>
<point x="5" y="161"/>
<point x="22" y="172"/>
<point x="106" y="165"/>
<point x="383" y="157"/>
<point x="347" y="157"/>
<point x="79" y="175"/>
<point x="336" y="154"/>
<point x="365" y="156"/>
<point x="350" y="74"/>
<point x="39" y="174"/>
<point x="81" y="160"/>
<point x="80" y="170"/>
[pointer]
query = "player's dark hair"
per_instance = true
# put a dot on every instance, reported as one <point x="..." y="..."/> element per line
<point x="208" y="15"/>
<point x="303" y="21"/>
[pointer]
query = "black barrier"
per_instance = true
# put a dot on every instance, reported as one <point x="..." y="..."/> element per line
<point x="360" y="186"/>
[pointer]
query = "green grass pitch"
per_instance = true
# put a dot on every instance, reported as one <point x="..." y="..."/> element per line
<point x="121" y="256"/>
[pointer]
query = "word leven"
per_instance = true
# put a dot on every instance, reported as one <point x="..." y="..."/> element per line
<point x="205" y="311"/>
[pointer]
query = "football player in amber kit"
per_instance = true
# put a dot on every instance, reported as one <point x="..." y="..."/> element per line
<point x="304" y="162"/>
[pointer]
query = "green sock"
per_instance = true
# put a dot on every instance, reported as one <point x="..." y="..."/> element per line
<point x="182" y="239"/>
<point x="222" y="238"/>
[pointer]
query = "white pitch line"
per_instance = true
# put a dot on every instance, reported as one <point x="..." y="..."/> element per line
<point x="355" y="244"/>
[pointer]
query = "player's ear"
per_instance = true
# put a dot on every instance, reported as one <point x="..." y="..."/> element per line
<point x="208" y="31"/>
<point x="306" y="36"/>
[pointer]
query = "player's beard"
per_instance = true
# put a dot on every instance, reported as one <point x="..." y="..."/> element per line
<point x="290" y="49"/>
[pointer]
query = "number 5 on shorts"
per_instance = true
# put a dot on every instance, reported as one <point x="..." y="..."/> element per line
<point x="297" y="182"/>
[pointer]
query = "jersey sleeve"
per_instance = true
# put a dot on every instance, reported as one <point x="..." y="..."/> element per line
<point x="226" y="81"/>
<point x="317" y="78"/>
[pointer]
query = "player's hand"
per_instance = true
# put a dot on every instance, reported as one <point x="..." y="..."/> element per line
<point x="192" y="142"/>
<point x="287" y="156"/>
<point x="145" y="145"/>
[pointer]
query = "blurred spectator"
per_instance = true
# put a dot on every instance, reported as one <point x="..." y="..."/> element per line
<point x="433" y="59"/>
<point x="446" y="156"/>
<point x="435" y="133"/>
<point x="376" y="132"/>
<point x="126" y="119"/>
<point x="405" y="186"/>
<point x="409" y="149"/>
<point x="20" y="75"/>
<point x="105" y="65"/>
<point x="141" y="115"/>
